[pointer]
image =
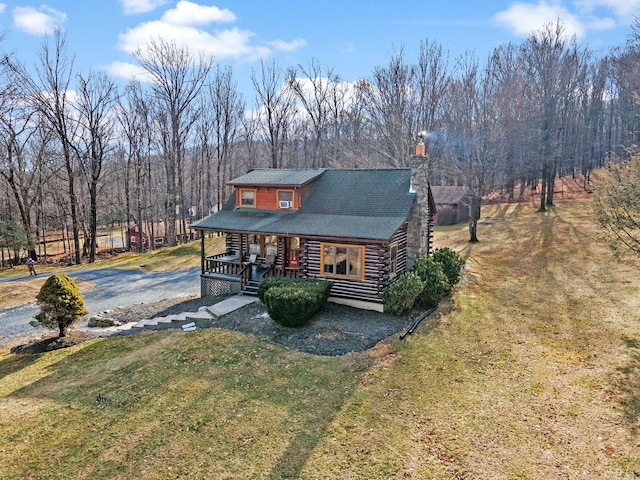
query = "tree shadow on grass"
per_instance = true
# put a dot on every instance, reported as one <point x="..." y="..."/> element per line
<point x="314" y="428"/>
<point x="628" y="383"/>
<point x="15" y="363"/>
<point x="223" y="377"/>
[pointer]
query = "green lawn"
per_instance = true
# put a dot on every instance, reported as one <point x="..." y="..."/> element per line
<point x="530" y="371"/>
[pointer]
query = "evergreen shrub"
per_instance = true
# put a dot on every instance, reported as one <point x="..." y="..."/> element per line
<point x="435" y="281"/>
<point x="292" y="302"/>
<point x="61" y="303"/>
<point x="451" y="264"/>
<point x="401" y="294"/>
<point x="272" y="282"/>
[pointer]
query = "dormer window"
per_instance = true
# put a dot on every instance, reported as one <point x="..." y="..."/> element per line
<point x="247" y="197"/>
<point x="285" y="199"/>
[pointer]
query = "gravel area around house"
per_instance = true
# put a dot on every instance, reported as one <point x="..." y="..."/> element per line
<point x="334" y="330"/>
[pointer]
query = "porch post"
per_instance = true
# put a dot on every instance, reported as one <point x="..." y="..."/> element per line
<point x="201" y="252"/>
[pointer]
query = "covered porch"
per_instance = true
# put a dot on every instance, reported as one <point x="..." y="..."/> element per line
<point x="249" y="258"/>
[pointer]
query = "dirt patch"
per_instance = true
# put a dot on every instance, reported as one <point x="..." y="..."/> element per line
<point x="48" y="344"/>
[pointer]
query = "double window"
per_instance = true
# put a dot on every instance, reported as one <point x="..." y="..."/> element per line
<point x="342" y="261"/>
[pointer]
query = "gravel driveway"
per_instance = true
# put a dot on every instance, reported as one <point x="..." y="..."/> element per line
<point x="114" y="288"/>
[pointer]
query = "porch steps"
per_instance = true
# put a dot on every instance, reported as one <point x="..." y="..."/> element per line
<point x="202" y="314"/>
<point x="184" y="319"/>
<point x="251" y="288"/>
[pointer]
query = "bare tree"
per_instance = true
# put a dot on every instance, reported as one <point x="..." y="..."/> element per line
<point x="355" y="131"/>
<point x="16" y="129"/>
<point x="50" y="96"/>
<point x="471" y="135"/>
<point x="392" y="110"/>
<point x="226" y="106"/>
<point x="96" y="97"/>
<point x="554" y="66"/>
<point x="178" y="78"/>
<point x="134" y="116"/>
<point x="315" y="91"/>
<point x="276" y="108"/>
<point x="432" y="80"/>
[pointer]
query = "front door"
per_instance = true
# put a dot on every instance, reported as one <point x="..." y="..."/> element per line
<point x="293" y="253"/>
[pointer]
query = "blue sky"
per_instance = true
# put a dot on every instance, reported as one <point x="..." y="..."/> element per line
<point x="352" y="36"/>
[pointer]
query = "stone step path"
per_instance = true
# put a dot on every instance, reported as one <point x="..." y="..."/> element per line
<point x="178" y="321"/>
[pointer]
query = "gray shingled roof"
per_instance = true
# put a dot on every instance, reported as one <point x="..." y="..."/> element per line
<point x="277" y="177"/>
<point x="364" y="204"/>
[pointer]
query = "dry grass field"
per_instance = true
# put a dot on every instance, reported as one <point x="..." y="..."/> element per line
<point x="531" y="370"/>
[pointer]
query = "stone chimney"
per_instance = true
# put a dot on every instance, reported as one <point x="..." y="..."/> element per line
<point x="420" y="228"/>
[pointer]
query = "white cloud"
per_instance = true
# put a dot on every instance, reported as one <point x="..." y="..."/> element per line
<point x="3" y="7"/>
<point x="127" y="71"/>
<point x="134" y="7"/>
<point x="224" y="44"/>
<point x="41" y="21"/>
<point x="189" y="13"/>
<point x="621" y="8"/>
<point x="291" y="46"/>
<point x="525" y="18"/>
<point x="601" y="23"/>
<point x="185" y="24"/>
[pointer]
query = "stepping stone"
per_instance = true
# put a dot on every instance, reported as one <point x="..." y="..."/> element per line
<point x="167" y="319"/>
<point x="199" y="315"/>
<point x="230" y="304"/>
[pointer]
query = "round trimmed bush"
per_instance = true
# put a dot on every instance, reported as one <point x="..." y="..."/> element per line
<point x="291" y="303"/>
<point x="272" y="282"/>
<point x="61" y="303"/>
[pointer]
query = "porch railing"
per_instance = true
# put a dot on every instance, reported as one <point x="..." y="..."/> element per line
<point x="223" y="264"/>
<point x="234" y="269"/>
<point x="280" y="271"/>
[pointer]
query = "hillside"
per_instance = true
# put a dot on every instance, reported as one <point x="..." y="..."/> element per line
<point x="530" y="371"/>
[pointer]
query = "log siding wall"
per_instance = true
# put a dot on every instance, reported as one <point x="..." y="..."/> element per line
<point x="377" y="275"/>
<point x="370" y="289"/>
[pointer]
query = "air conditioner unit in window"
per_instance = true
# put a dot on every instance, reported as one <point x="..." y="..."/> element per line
<point x="285" y="204"/>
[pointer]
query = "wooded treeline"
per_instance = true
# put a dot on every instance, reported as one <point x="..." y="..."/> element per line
<point x="79" y="150"/>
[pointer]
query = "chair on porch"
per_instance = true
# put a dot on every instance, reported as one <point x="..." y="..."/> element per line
<point x="269" y="261"/>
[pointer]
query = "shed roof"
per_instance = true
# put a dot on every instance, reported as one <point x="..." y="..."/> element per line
<point x="363" y="204"/>
<point x="448" y="195"/>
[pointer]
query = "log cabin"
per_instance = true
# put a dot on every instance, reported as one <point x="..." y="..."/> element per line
<point x="358" y="229"/>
